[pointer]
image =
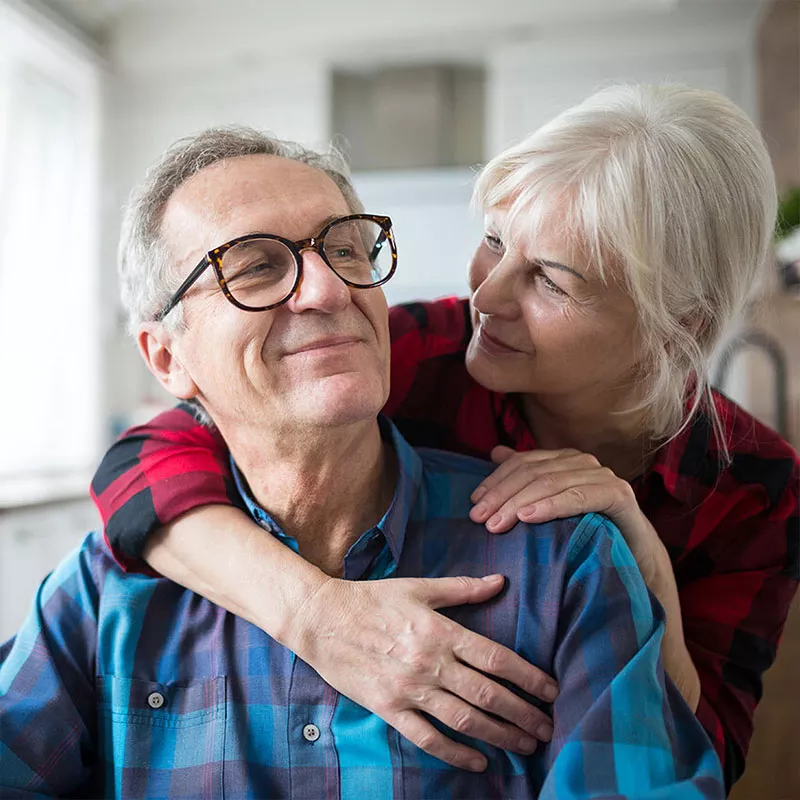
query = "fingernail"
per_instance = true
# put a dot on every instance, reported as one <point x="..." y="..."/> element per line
<point x="478" y="493"/>
<point x="495" y="521"/>
<point x="549" y="692"/>
<point x="545" y="732"/>
<point x="527" y="511"/>
<point x="527" y="744"/>
<point x="491" y="578"/>
<point x="477" y="765"/>
<point x="479" y="512"/>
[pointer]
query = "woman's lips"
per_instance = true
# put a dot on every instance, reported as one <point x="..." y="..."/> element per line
<point x="496" y="347"/>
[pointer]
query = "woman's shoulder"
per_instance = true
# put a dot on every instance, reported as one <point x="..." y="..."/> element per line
<point x="437" y="327"/>
<point x="759" y="462"/>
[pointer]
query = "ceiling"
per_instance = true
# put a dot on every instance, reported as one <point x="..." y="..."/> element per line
<point x="93" y="16"/>
<point x="97" y="17"/>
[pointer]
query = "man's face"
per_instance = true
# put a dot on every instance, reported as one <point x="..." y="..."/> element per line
<point x="322" y="358"/>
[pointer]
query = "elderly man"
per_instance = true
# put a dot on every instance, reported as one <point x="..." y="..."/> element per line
<point x="129" y="685"/>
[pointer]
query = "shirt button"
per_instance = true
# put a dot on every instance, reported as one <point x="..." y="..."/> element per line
<point x="155" y="699"/>
<point x="311" y="733"/>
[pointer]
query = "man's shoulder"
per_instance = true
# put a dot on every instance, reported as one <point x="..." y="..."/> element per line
<point x="450" y="479"/>
<point x="91" y="564"/>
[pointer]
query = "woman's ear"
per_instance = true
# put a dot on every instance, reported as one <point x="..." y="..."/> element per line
<point x="157" y="348"/>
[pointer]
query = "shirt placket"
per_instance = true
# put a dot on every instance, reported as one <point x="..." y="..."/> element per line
<point x="313" y="761"/>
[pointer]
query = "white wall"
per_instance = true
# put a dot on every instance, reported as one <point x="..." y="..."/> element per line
<point x="171" y="76"/>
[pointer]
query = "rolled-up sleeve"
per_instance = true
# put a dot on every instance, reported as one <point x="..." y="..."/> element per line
<point x="621" y="727"/>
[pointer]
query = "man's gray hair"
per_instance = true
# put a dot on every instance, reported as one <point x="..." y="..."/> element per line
<point x="146" y="280"/>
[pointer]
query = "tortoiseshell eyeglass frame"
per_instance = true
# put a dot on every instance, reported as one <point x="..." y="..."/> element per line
<point x="316" y="243"/>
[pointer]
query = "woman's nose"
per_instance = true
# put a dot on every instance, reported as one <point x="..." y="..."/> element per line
<point x="320" y="287"/>
<point x="494" y="291"/>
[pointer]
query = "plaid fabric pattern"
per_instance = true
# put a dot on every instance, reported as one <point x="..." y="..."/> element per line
<point x="733" y="533"/>
<point x="130" y="686"/>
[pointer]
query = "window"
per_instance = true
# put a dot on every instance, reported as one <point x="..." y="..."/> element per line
<point x="49" y="281"/>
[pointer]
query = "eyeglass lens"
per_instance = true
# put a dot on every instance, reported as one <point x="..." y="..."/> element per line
<point x="262" y="272"/>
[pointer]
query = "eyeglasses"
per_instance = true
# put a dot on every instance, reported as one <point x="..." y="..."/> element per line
<point x="262" y="271"/>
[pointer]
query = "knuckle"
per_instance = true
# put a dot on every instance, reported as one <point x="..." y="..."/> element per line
<point x="426" y="741"/>
<point x="486" y="696"/>
<point x="577" y="494"/>
<point x="464" y="582"/>
<point x="549" y="481"/>
<point x="495" y="660"/>
<point x="462" y="721"/>
<point x="591" y="460"/>
<point x="419" y="662"/>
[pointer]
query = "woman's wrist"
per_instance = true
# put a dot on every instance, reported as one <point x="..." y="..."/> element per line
<point x="293" y="620"/>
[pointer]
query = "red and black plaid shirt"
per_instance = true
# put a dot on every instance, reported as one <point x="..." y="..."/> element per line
<point x="732" y="532"/>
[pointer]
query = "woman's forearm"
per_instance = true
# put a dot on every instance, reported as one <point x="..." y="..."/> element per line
<point x="677" y="660"/>
<point x="220" y="553"/>
<point x="380" y="643"/>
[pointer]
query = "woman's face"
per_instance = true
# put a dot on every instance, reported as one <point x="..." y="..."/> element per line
<point x="545" y="323"/>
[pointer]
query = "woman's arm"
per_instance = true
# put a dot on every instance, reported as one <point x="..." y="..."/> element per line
<point x="381" y="643"/>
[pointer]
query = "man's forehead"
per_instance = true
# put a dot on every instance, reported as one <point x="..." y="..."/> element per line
<point x="274" y="180"/>
<point x="262" y="193"/>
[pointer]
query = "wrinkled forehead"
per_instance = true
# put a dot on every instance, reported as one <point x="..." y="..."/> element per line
<point x="249" y="194"/>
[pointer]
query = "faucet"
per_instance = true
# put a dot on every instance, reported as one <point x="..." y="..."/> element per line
<point x="770" y="346"/>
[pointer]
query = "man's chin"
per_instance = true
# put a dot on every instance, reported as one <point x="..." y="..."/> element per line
<point x="342" y="399"/>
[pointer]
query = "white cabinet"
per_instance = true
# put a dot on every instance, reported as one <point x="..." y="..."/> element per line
<point x="33" y="541"/>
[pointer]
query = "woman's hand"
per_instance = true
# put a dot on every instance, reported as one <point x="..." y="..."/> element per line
<point x="542" y="485"/>
<point x="381" y="644"/>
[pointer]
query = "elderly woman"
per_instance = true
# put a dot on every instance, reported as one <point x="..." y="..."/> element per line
<point x="621" y="240"/>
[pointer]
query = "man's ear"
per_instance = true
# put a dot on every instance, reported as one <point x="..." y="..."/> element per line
<point x="157" y="348"/>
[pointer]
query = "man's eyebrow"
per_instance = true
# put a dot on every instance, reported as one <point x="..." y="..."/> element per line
<point x="556" y="265"/>
<point x="323" y="223"/>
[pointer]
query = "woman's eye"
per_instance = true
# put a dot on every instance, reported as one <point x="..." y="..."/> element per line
<point x="494" y="243"/>
<point x="549" y="285"/>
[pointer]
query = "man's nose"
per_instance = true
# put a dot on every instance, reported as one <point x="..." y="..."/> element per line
<point x="320" y="288"/>
<point x="496" y="294"/>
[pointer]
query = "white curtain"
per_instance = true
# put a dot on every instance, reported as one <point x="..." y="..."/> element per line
<point x="49" y="332"/>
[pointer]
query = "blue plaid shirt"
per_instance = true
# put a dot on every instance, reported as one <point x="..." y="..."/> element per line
<point x="130" y="686"/>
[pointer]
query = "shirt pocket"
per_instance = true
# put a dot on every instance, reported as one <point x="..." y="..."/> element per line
<point x="162" y="739"/>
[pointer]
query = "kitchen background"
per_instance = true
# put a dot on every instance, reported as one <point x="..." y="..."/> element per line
<point x="91" y="91"/>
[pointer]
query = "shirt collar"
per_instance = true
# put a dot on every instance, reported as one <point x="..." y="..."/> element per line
<point x="392" y="525"/>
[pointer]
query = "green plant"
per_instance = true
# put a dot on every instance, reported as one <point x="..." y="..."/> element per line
<point x="788" y="213"/>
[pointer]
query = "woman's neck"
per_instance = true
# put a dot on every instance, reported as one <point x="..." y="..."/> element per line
<point x="617" y="440"/>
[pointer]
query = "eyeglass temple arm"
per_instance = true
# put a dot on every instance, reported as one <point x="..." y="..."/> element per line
<point x="183" y="288"/>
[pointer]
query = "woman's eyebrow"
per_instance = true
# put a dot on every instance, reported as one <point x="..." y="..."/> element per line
<point x="556" y="265"/>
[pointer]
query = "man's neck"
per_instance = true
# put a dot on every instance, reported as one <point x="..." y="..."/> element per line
<point x="324" y="490"/>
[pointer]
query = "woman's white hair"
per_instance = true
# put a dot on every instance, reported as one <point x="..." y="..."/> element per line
<point x="672" y="189"/>
<point x="146" y="278"/>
